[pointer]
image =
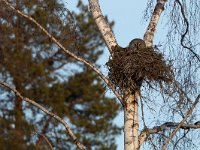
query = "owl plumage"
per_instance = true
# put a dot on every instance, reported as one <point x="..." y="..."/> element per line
<point x="137" y="44"/>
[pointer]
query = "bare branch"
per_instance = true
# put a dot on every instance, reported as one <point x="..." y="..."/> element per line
<point x="149" y="35"/>
<point x="181" y="123"/>
<point x="43" y="131"/>
<point x="44" y="137"/>
<point x="186" y="31"/>
<point x="89" y="64"/>
<point x="142" y="110"/>
<point x="103" y="25"/>
<point x="184" y="135"/>
<point x="157" y="129"/>
<point x="70" y="132"/>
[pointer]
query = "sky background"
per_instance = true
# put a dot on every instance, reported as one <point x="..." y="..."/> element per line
<point x="129" y="24"/>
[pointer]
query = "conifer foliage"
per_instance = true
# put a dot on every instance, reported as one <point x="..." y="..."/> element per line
<point x="36" y="67"/>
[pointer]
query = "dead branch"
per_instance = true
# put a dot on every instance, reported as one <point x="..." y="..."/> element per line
<point x="89" y="64"/>
<point x="32" y="102"/>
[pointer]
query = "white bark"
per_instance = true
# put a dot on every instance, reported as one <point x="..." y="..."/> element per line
<point x="103" y="25"/>
<point x="149" y="35"/>
<point x="131" y="122"/>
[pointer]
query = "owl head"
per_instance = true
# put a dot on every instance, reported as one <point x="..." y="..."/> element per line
<point x="137" y="44"/>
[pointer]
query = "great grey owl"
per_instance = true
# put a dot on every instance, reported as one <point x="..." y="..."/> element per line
<point x="137" y="44"/>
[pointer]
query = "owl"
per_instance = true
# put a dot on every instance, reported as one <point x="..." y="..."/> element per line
<point x="137" y="44"/>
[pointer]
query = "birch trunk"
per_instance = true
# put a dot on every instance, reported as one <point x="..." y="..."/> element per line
<point x="131" y="122"/>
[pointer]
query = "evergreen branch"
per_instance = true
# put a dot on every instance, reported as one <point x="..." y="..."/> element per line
<point x="32" y="102"/>
<point x="86" y="62"/>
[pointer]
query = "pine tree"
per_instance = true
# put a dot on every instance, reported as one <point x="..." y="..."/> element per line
<point x="40" y="70"/>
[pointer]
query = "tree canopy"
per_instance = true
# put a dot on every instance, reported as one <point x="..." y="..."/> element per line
<point x="35" y="66"/>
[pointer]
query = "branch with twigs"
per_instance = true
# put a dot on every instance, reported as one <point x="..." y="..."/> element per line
<point x="186" y="31"/>
<point x="32" y="102"/>
<point x="181" y="123"/>
<point x="157" y="129"/>
<point x="146" y="132"/>
<point x="89" y="64"/>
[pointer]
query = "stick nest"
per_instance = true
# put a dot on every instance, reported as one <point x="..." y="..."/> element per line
<point x="129" y="68"/>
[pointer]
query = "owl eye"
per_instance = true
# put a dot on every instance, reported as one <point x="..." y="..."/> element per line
<point x="135" y="44"/>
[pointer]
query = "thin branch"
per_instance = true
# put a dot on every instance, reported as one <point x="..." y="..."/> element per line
<point x="43" y="131"/>
<point x="154" y="146"/>
<point x="157" y="129"/>
<point x="186" y="31"/>
<point x="103" y="25"/>
<point x="184" y="135"/>
<point x="149" y="35"/>
<point x="146" y="132"/>
<point x="44" y="137"/>
<point x="70" y="132"/>
<point x="142" y="109"/>
<point x="180" y="124"/>
<point x="105" y="79"/>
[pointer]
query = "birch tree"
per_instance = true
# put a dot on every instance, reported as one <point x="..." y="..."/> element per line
<point x="179" y="96"/>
